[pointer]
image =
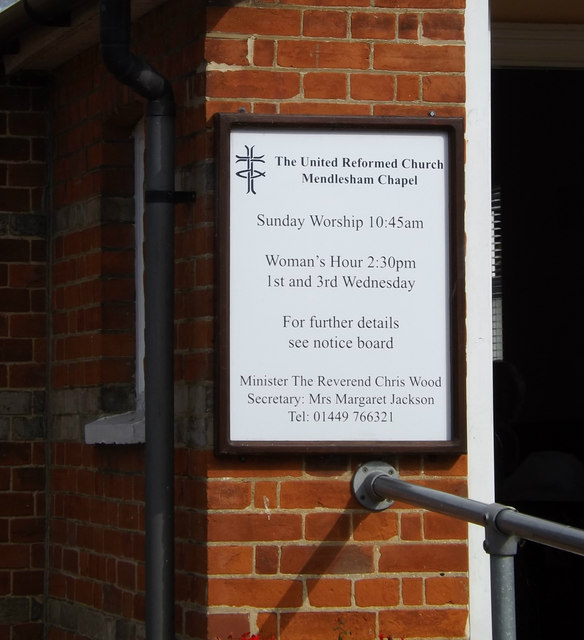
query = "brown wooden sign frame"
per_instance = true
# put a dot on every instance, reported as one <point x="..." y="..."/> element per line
<point x="246" y="289"/>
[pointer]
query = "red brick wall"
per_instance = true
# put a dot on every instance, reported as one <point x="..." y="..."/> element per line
<point x="289" y="550"/>
<point x="401" y="58"/>
<point x="23" y="131"/>
<point x="263" y="543"/>
<point x="93" y="241"/>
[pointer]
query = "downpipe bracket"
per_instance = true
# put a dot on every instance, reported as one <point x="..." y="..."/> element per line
<point x="170" y="197"/>
<point x="362" y="485"/>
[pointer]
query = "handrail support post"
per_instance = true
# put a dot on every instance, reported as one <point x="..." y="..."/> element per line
<point x="502" y="549"/>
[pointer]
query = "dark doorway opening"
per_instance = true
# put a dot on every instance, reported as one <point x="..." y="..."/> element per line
<point x="538" y="174"/>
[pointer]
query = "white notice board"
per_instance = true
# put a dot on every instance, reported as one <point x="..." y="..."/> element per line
<point x="340" y="318"/>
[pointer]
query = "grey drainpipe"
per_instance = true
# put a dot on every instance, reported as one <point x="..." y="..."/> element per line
<point x="159" y="286"/>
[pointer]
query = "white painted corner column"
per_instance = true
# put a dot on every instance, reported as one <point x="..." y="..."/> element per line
<point x="478" y="296"/>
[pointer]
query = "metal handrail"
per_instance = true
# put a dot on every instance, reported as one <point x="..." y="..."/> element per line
<point x="376" y="484"/>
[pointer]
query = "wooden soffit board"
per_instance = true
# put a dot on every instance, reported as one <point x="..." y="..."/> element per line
<point x="538" y="11"/>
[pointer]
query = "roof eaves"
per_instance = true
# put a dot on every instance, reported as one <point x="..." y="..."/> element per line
<point x="31" y="45"/>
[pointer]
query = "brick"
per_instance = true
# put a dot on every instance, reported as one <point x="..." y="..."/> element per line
<point x="324" y="24"/>
<point x="85" y="482"/>
<point x="329" y="559"/>
<point x="422" y="4"/>
<point x="218" y="625"/>
<point x="130" y="517"/>
<point x="421" y="557"/>
<point x="29" y="376"/>
<point x="15" y="300"/>
<point x="330" y="466"/>
<point x="375" y="526"/>
<point x="332" y="86"/>
<point x="38" y="448"/>
<point x="443" y="89"/>
<point x="328" y="526"/>
<point x="71" y="561"/>
<point x="440" y="527"/>
<point x="114" y="181"/>
<point x="310" y="494"/>
<point x="329" y="593"/>
<point x="111" y="264"/>
<point x="112" y="599"/>
<point x="113" y="345"/>
<point x="227" y="51"/>
<point x="14" y="250"/>
<point x="15" y="199"/>
<point x="110" y="317"/>
<point x="264" y="52"/>
<point x="255" y="592"/>
<point x="15" y="350"/>
<point x="5" y="584"/>
<point x="27" y="275"/>
<point x="407" y="88"/>
<point x="443" y="26"/>
<point x="325" y="108"/>
<point x="27" y="124"/>
<point x="28" y="631"/>
<point x="229" y="560"/>
<point x="196" y="304"/>
<point x="251" y="526"/>
<point x="28" y="325"/>
<point x="267" y="560"/>
<point x="14" y="556"/>
<point x="249" y="467"/>
<point x="372" y="87"/>
<point x="281" y="22"/>
<point x="446" y="466"/>
<point x="455" y="486"/>
<point x="446" y="590"/>
<point x="27" y="530"/>
<point x="195" y="335"/>
<point x="116" y="543"/>
<point x="412" y="591"/>
<point x="184" y="275"/>
<point x="265" y="494"/>
<point x="324" y="624"/>
<point x="110" y="236"/>
<point x="62" y="479"/>
<point x="38" y="247"/>
<point x="199" y="240"/>
<point x="126" y="575"/>
<point x="380" y="26"/>
<point x="377" y="592"/>
<point x="424" y="623"/>
<point x="413" y="57"/>
<point x="14" y="149"/>
<point x="323" y="55"/>
<point x="408" y="24"/>
<point x="13" y="454"/>
<point x="28" y="478"/>
<point x="37" y="300"/>
<point x="247" y="84"/>
<point x="15" y="98"/>
<point x="411" y="526"/>
<point x="26" y="175"/>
